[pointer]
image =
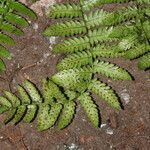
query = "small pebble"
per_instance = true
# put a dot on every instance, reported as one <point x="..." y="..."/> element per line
<point x="109" y="131"/>
<point x="103" y="125"/>
<point x="52" y="40"/>
<point x="35" y="26"/>
<point x="72" y="146"/>
<point x="46" y="55"/>
<point x="125" y="96"/>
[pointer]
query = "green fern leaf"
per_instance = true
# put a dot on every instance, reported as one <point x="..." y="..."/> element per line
<point x="120" y="16"/>
<point x="15" y="101"/>
<point x="56" y="92"/>
<point x="72" y="78"/>
<point x="33" y="91"/>
<point x="96" y="18"/>
<point x="67" y="114"/>
<point x="30" y="113"/>
<point x="139" y="50"/>
<point x="16" y="20"/>
<point x="47" y="93"/>
<point x="64" y="10"/>
<point x="48" y="116"/>
<point x="79" y="44"/>
<point x="90" y="108"/>
<point x="89" y="4"/>
<point x="19" y="114"/>
<point x="107" y="51"/>
<point x="72" y="45"/>
<point x="4" y="52"/>
<point x="22" y="9"/>
<point x="103" y="18"/>
<point x="3" y="109"/>
<point x="11" y="19"/>
<point x="10" y="115"/>
<point x="5" y="102"/>
<point x="111" y="70"/>
<point x="71" y="94"/>
<point x="67" y="28"/>
<point x="5" y="39"/>
<point x="25" y="98"/>
<point x="79" y="59"/>
<point x="11" y="29"/>
<point x="143" y="1"/>
<point x="105" y="92"/>
<point x="75" y="60"/>
<point x="2" y="66"/>
<point x="144" y="62"/>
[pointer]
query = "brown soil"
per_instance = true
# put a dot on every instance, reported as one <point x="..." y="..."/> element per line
<point x="128" y="129"/>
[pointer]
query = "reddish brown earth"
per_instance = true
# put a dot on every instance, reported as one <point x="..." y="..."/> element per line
<point x="128" y="129"/>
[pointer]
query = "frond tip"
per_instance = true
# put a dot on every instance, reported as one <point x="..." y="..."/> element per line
<point x="90" y="109"/>
<point x="64" y="10"/>
<point x="144" y="62"/>
<point x="105" y="92"/>
<point x="111" y="70"/>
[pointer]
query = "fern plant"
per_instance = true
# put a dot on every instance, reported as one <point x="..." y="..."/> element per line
<point x="123" y="32"/>
<point x="90" y="36"/>
<point x="50" y="106"/>
<point x="12" y="19"/>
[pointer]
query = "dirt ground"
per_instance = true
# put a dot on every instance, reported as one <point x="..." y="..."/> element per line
<point x="128" y="129"/>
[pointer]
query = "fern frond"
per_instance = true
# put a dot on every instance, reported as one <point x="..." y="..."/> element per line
<point x="28" y="106"/>
<point x="79" y="59"/>
<point x="76" y="60"/>
<point x="71" y="94"/>
<point x="96" y="18"/>
<point x="31" y="113"/>
<point x="5" y="102"/>
<point x="107" y="51"/>
<point x="103" y="18"/>
<point x="90" y="108"/>
<point x="46" y="92"/>
<point x="16" y="20"/>
<point x="5" y="39"/>
<point x="2" y="66"/>
<point x="15" y="101"/>
<point x="71" y="79"/>
<point x="7" y="27"/>
<point x="138" y="51"/>
<point x="10" y="115"/>
<point x="111" y="70"/>
<point x="33" y="91"/>
<point x="72" y="45"/>
<point x="21" y="8"/>
<point x="143" y="1"/>
<point x="146" y="28"/>
<point x="11" y="20"/>
<point x="4" y="52"/>
<point x="24" y="95"/>
<point x="19" y="114"/>
<point x="67" y="28"/>
<point x="56" y="92"/>
<point x="144" y="62"/>
<point x="79" y="44"/>
<point x="48" y="116"/>
<point x="89" y="4"/>
<point x="105" y="92"/>
<point x="67" y="114"/>
<point x="122" y="16"/>
<point x="101" y="36"/>
<point x="64" y="10"/>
